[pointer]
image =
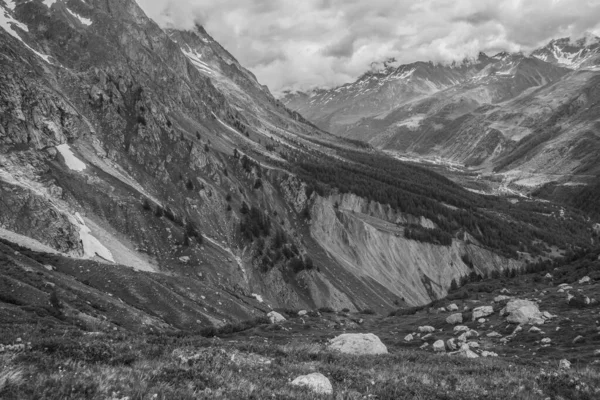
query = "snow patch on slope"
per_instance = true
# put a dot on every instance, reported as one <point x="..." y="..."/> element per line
<point x="49" y="3"/>
<point x="195" y="58"/>
<point x="84" y="21"/>
<point x="91" y="245"/>
<point x="7" y="23"/>
<point x="71" y="161"/>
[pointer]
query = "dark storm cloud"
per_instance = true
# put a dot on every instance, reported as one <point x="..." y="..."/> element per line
<point x="298" y="44"/>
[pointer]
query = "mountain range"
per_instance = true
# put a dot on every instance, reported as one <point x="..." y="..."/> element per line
<point x="532" y="118"/>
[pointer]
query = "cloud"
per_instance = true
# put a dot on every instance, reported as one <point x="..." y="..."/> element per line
<point x="301" y="44"/>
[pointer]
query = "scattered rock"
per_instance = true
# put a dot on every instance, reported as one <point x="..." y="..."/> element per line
<point x="424" y="346"/>
<point x="473" y="345"/>
<point x="501" y="298"/>
<point x="488" y="354"/>
<point x="275" y="317"/>
<point x="578" y="300"/>
<point x="494" y="335"/>
<point x="49" y="267"/>
<point x="429" y="335"/>
<point x="564" y="364"/>
<point x="409" y="338"/>
<point x="452" y="307"/>
<point x="547" y="315"/>
<point x="460" y="328"/>
<point x="534" y="329"/>
<point x="426" y="329"/>
<point x="597" y="353"/>
<point x="505" y="291"/>
<point x="439" y="346"/>
<point x="454" y="319"/>
<point x="358" y="343"/>
<point x="451" y="344"/>
<point x="481" y="320"/>
<point x="465" y="351"/>
<point x="579" y="339"/>
<point x="522" y="312"/>
<point x="548" y="276"/>
<point x="317" y="382"/>
<point x="184" y="259"/>
<point x="302" y="313"/>
<point x="585" y="279"/>
<point x="546" y="341"/>
<point x="482" y="311"/>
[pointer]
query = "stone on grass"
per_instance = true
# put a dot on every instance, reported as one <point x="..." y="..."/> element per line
<point x="424" y="346"/>
<point x="473" y="345"/>
<point x="522" y="312"/>
<point x="426" y="329"/>
<point x="409" y="338"/>
<point x="465" y="351"/>
<point x="494" y="335"/>
<point x="358" y="343"/>
<point x="534" y="329"/>
<point x="585" y="279"/>
<point x="482" y="311"/>
<point x="579" y="339"/>
<point x="317" y="382"/>
<point x="275" y="317"/>
<point x="597" y="352"/>
<point x="488" y="354"/>
<point x="500" y="298"/>
<point x="302" y="313"/>
<point x="564" y="364"/>
<point x="548" y="276"/>
<point x="452" y="307"/>
<point x="546" y="341"/>
<point x="481" y="320"/>
<point x="451" y="344"/>
<point x="460" y="328"/>
<point x="439" y="346"/>
<point x="454" y="319"/>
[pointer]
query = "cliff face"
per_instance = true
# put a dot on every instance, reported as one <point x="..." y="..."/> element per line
<point x="364" y="238"/>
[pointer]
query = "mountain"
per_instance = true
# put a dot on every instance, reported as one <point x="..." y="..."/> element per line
<point x="531" y="118"/>
<point x="146" y="172"/>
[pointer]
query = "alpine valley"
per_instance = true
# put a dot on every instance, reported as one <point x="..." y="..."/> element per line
<point x="150" y="185"/>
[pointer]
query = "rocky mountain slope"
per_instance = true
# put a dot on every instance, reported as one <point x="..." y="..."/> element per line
<point x="530" y="117"/>
<point x="149" y="166"/>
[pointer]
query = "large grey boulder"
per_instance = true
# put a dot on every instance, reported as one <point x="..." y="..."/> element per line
<point x="522" y="312"/>
<point x="275" y="317"/>
<point x="482" y="311"/>
<point x="317" y="382"/>
<point x="357" y="343"/>
<point x="454" y="319"/>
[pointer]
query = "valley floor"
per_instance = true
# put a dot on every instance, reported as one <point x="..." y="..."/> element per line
<point x="61" y="361"/>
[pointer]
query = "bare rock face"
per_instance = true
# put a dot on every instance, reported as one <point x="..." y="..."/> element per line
<point x="317" y="382"/>
<point x="358" y="343"/>
<point x="522" y="312"/>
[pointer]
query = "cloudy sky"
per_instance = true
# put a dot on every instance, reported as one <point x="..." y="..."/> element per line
<point x="301" y="44"/>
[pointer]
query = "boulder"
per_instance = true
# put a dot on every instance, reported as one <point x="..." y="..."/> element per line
<point x="522" y="312"/>
<point x="275" y="317"/>
<point x="585" y="279"/>
<point x="439" y="346"/>
<point x="534" y="329"/>
<point x="460" y="328"/>
<point x="482" y="311"/>
<point x="546" y="341"/>
<point x="409" y="338"/>
<point x="578" y="300"/>
<point x="500" y="298"/>
<point x="317" y="382"/>
<point x="494" y="335"/>
<point x="452" y="307"/>
<point x="357" y="343"/>
<point x="564" y="364"/>
<point x="465" y="351"/>
<point x="481" y="320"/>
<point x="426" y="329"/>
<point x="451" y="344"/>
<point x="473" y="345"/>
<point x="454" y="319"/>
<point x="302" y="313"/>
